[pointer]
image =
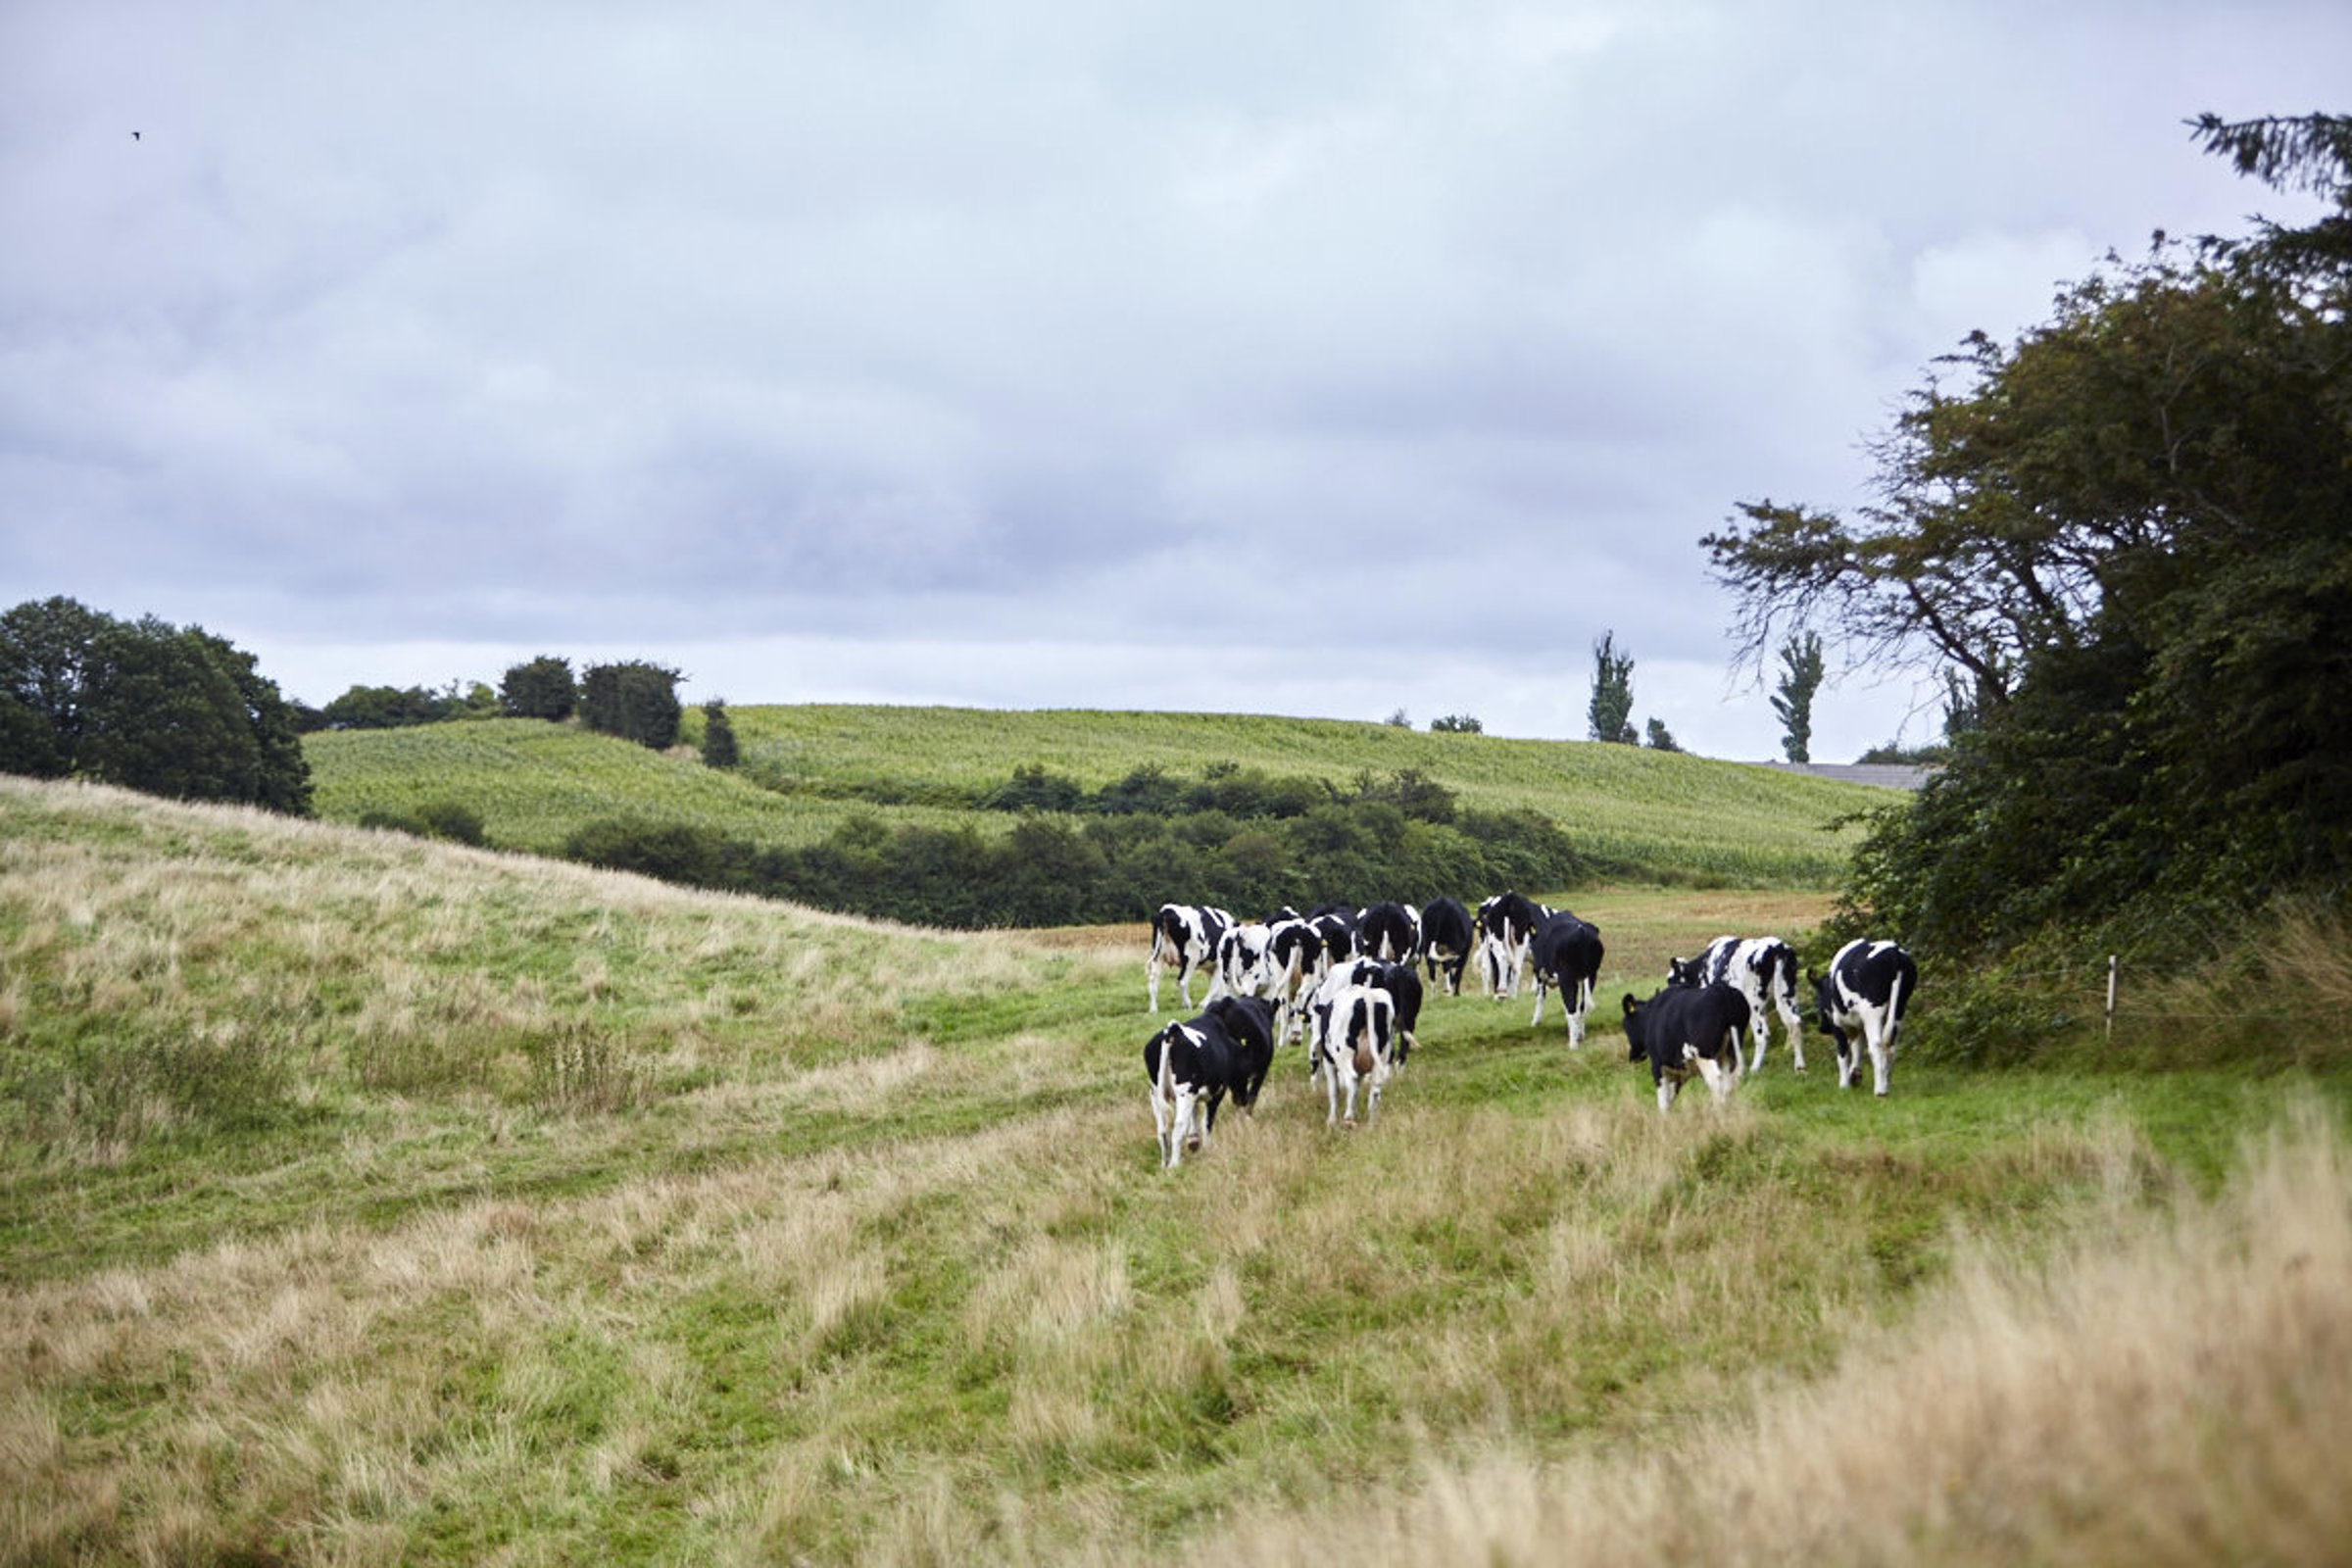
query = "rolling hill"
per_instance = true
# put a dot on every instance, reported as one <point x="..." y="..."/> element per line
<point x="807" y="769"/>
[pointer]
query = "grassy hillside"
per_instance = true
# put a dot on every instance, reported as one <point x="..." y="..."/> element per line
<point x="366" y="1201"/>
<point x="534" y="782"/>
<point x="1674" y="815"/>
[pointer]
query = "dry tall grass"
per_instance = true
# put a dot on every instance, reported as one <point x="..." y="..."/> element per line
<point x="2177" y="1392"/>
<point x="2277" y="993"/>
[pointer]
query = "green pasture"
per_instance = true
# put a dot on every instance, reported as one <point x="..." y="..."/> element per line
<point x="365" y="1199"/>
<point x="533" y="783"/>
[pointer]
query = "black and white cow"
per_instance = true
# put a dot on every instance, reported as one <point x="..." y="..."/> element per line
<point x="1566" y="953"/>
<point x="1296" y="961"/>
<point x="1244" y="967"/>
<point x="1506" y="927"/>
<point x="1355" y="1030"/>
<point x="1764" y="968"/>
<point x="1447" y="937"/>
<point x="1403" y="983"/>
<point x="1390" y="932"/>
<point x="1193" y="1066"/>
<point x="1686" y="1029"/>
<point x="1185" y="935"/>
<point x="1867" y="987"/>
<point x="1336" y="928"/>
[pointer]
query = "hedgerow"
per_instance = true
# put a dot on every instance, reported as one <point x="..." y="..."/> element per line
<point x="1235" y="838"/>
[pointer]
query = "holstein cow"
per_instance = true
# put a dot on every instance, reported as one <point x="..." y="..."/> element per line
<point x="1867" y="987"/>
<point x="1242" y="967"/>
<point x="1446" y="939"/>
<point x="1764" y="968"/>
<point x="1336" y="928"/>
<point x="1685" y="1029"/>
<point x="1193" y="1066"/>
<point x="1403" y="983"/>
<point x="1354" y="1034"/>
<point x="1507" y="926"/>
<point x="1184" y="935"/>
<point x="1388" y="932"/>
<point x="1296" y="961"/>
<point x="1566" y="952"/>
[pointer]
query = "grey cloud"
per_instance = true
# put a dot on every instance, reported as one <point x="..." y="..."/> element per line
<point x="1029" y="333"/>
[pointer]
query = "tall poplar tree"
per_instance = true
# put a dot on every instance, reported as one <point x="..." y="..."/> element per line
<point x="1611" y="711"/>
<point x="1793" y="702"/>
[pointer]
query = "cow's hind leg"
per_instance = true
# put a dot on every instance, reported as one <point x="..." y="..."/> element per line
<point x="1161" y="1124"/>
<point x="1719" y="1076"/>
<point x="1849" y="1060"/>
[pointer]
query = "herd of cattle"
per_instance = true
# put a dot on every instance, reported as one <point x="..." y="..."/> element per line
<point x="1351" y="986"/>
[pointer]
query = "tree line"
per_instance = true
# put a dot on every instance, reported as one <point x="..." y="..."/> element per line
<point x="145" y="705"/>
<point x="175" y="711"/>
<point x="1232" y="837"/>
<point x="636" y="700"/>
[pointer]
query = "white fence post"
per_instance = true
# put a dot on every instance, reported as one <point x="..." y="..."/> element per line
<point x="2112" y="963"/>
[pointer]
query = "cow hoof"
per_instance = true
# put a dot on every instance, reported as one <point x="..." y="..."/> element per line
<point x="1348" y="1125"/>
<point x="1191" y="1146"/>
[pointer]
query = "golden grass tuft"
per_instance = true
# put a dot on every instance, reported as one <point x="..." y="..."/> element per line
<point x="2277" y="994"/>
<point x="2310" y="955"/>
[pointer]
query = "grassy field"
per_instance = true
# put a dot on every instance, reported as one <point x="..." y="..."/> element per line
<point x="369" y="1200"/>
<point x="1677" y="816"/>
<point x="533" y="783"/>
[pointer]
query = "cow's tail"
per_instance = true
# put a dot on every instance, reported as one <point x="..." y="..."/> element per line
<point x="1153" y="963"/>
<point x="1894" y="1012"/>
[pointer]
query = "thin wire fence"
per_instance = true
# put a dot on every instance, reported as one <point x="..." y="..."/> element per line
<point x="2117" y="992"/>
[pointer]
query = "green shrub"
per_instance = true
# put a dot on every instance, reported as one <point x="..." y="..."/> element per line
<point x="674" y="852"/>
<point x="454" y="820"/>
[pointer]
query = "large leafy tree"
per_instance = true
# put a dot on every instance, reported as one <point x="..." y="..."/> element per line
<point x="637" y="700"/>
<point x="2128" y="533"/>
<point x="45" y="645"/>
<point x="145" y="705"/>
<point x="540" y="688"/>
<point x="163" y="716"/>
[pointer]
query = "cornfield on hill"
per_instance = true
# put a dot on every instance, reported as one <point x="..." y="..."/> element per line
<point x="806" y="770"/>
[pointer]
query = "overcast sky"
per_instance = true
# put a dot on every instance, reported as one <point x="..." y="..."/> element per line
<point x="1315" y="358"/>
